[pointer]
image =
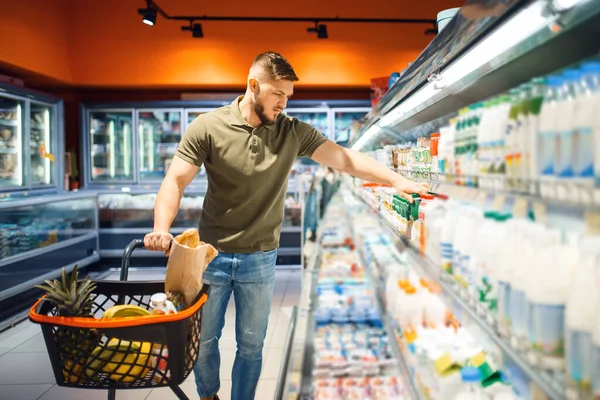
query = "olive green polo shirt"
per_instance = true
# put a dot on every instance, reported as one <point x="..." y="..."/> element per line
<point x="247" y="171"/>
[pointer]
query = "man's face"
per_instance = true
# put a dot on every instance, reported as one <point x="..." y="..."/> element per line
<point x="270" y="98"/>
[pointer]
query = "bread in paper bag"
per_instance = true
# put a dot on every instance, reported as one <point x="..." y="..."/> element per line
<point x="187" y="262"/>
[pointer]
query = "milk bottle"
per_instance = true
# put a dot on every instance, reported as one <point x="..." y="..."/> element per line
<point x="586" y="124"/>
<point x="547" y="136"/>
<point x="511" y="139"/>
<point x="580" y="316"/>
<point x="525" y="251"/>
<point x="504" y="272"/>
<point x="447" y="235"/>
<point x="565" y="127"/>
<point x="547" y="295"/>
<point x="532" y="143"/>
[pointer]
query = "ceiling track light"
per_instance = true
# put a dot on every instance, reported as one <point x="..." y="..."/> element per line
<point x="319" y="29"/>
<point x="195" y="28"/>
<point x="148" y="14"/>
<point x="152" y="9"/>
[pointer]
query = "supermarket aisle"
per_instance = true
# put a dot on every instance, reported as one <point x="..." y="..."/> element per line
<point x="26" y="374"/>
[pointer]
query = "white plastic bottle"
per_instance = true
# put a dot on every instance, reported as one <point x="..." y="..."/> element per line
<point x="580" y="316"/>
<point x="504" y="272"/>
<point x="587" y="125"/>
<point x="471" y="385"/>
<point x="525" y="248"/>
<point x="491" y="266"/>
<point x="596" y="352"/>
<point x="538" y="86"/>
<point x="548" y="136"/>
<point x="447" y="235"/>
<point x="547" y="295"/>
<point x="565" y="127"/>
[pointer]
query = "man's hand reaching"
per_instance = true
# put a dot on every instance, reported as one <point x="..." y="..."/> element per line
<point x="406" y="187"/>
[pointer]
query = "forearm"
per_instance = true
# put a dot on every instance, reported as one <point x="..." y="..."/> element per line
<point x="166" y="205"/>
<point x="364" y="167"/>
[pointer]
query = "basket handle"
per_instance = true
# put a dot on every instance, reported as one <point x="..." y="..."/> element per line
<point x="135" y="244"/>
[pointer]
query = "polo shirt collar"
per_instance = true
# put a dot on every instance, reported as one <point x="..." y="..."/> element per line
<point x="236" y="115"/>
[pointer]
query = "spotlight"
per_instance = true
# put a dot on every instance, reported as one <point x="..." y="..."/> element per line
<point x="320" y="29"/>
<point x="148" y="15"/>
<point x="196" y="29"/>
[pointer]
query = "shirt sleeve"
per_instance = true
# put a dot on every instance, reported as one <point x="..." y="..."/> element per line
<point x="309" y="139"/>
<point x="193" y="146"/>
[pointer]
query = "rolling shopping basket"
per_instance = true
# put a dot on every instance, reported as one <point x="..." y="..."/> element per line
<point x="122" y="353"/>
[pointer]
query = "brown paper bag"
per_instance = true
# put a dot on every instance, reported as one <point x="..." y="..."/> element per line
<point x="187" y="262"/>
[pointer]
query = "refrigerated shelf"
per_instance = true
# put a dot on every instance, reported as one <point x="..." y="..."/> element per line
<point x="547" y="382"/>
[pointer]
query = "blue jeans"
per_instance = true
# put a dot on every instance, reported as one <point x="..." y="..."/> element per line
<point x="251" y="278"/>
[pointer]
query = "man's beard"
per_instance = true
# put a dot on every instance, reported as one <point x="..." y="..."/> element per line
<point x="259" y="109"/>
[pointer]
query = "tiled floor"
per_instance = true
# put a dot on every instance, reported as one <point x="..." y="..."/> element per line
<point x="26" y="374"/>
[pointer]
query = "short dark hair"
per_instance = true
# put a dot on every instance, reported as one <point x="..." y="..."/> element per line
<point x="276" y="66"/>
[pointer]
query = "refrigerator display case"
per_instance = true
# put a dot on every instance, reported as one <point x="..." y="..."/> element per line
<point x="159" y="134"/>
<point x="42" y="234"/>
<point x="12" y="118"/>
<point x="131" y="144"/>
<point x="42" y="130"/>
<point x="346" y="121"/>
<point x="127" y="216"/>
<point x="31" y="143"/>
<point x="111" y="146"/>
<point x="538" y="42"/>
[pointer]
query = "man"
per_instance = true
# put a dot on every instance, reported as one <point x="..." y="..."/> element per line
<point x="248" y="149"/>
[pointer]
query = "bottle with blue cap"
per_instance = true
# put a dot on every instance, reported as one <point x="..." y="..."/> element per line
<point x="587" y="131"/>
<point x="471" y="385"/>
<point x="548" y="135"/>
<point x="565" y="125"/>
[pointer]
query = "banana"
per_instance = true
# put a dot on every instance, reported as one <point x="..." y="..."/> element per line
<point x="135" y="357"/>
<point x="125" y="310"/>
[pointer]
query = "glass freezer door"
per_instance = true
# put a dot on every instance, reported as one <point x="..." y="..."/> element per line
<point x="159" y="133"/>
<point x="345" y="122"/>
<point x="42" y="139"/>
<point x="318" y="119"/>
<point x="111" y="145"/>
<point x="11" y="143"/>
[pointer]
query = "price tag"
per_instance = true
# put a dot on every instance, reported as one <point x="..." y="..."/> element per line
<point x="498" y="202"/>
<point x="539" y="210"/>
<point x="592" y="223"/>
<point x="520" y="208"/>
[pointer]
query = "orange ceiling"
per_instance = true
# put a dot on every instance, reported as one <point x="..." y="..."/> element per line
<point x="103" y="43"/>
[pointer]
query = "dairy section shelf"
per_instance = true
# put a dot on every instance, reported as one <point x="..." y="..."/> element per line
<point x="549" y="383"/>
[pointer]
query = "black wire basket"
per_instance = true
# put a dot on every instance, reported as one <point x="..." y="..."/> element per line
<point x="122" y="353"/>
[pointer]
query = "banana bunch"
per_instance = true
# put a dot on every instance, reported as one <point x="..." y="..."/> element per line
<point x="125" y="310"/>
<point x="123" y="360"/>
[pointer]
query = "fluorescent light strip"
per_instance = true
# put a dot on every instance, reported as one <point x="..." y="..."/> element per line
<point x="516" y="30"/>
<point x="371" y="132"/>
<point x="510" y="34"/>
<point x="151" y="149"/>
<point x="142" y="144"/>
<point x="19" y="152"/>
<point x="126" y="150"/>
<point x="47" y="144"/>
<point x="111" y="157"/>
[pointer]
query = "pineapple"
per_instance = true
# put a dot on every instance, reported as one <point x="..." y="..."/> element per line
<point x="72" y="299"/>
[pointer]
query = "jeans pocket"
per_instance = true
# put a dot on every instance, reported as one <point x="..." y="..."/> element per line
<point x="269" y="251"/>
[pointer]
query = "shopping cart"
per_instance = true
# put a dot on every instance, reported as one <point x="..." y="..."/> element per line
<point x="122" y="353"/>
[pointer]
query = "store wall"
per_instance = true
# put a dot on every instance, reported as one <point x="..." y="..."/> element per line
<point x="104" y="44"/>
<point x="115" y="49"/>
<point x="35" y="37"/>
